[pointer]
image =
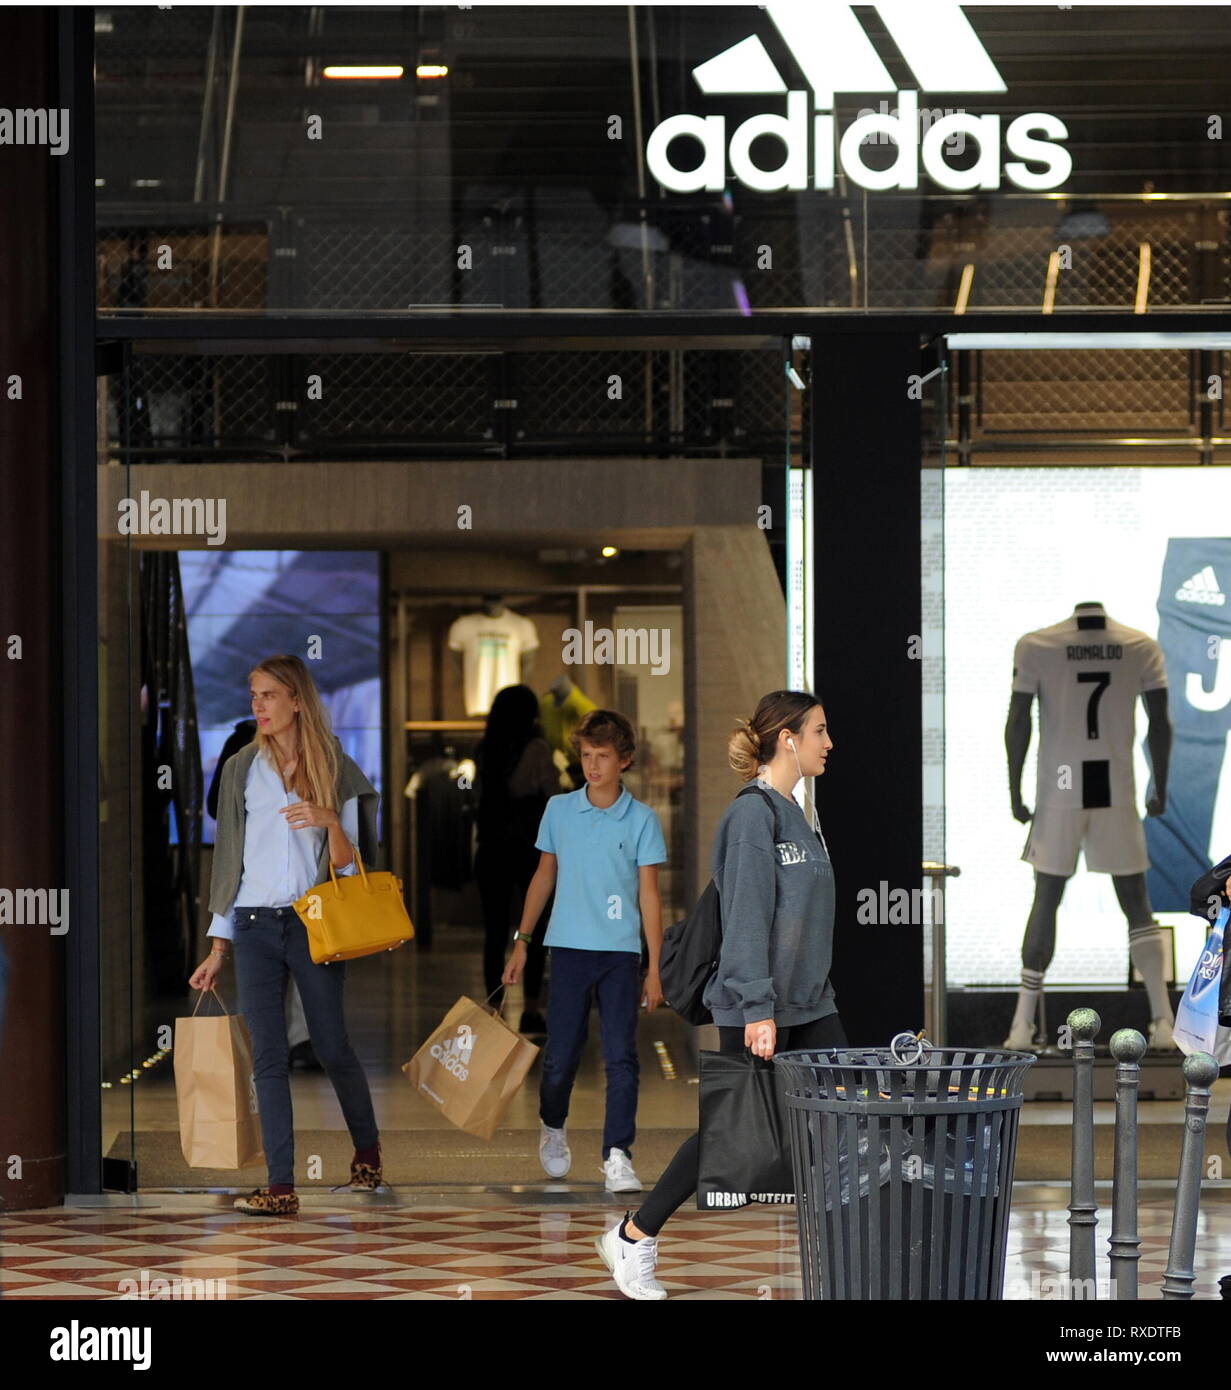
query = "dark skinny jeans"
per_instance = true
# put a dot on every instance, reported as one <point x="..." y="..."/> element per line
<point x="679" y="1181"/>
<point x="271" y="942"/>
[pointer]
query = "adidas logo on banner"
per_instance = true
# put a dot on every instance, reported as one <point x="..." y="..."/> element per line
<point x="834" y="54"/>
<point x="454" y="1053"/>
<point x="1202" y="588"/>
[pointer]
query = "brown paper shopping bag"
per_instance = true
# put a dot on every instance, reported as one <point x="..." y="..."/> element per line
<point x="215" y="1092"/>
<point x="470" y="1068"/>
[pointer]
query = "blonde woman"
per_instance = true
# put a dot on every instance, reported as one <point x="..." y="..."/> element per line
<point x="290" y="803"/>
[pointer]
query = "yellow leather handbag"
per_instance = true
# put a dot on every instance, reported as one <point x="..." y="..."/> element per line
<point x="356" y="915"/>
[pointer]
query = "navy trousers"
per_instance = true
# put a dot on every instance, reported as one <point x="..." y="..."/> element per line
<point x="577" y="977"/>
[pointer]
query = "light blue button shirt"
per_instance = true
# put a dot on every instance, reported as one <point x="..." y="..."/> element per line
<point x="599" y="851"/>
<point x="279" y="861"/>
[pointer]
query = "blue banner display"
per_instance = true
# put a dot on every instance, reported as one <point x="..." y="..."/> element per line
<point x="1194" y="631"/>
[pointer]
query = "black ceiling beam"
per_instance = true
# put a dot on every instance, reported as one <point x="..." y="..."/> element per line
<point x="586" y="330"/>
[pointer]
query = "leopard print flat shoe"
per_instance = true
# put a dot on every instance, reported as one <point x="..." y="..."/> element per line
<point x="364" y="1177"/>
<point x="263" y="1202"/>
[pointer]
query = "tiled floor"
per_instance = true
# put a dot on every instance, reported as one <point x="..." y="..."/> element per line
<point x="509" y="1242"/>
<point x="495" y="1246"/>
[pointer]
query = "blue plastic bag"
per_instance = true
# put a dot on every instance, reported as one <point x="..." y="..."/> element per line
<point x="1196" y="1020"/>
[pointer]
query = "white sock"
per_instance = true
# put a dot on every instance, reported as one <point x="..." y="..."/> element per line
<point x="1147" y="947"/>
<point x="1027" y="1001"/>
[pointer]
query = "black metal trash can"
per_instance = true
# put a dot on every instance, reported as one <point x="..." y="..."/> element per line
<point x="903" y="1173"/>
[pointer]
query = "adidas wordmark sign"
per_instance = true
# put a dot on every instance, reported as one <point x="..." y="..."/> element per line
<point x="836" y="55"/>
<point x="454" y="1054"/>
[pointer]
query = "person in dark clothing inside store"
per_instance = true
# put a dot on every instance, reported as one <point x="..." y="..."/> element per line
<point x="771" y="990"/>
<point x="515" y="777"/>
<point x="240" y="737"/>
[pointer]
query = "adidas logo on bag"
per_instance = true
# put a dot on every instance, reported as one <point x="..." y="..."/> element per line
<point x="1202" y="588"/>
<point x="454" y="1053"/>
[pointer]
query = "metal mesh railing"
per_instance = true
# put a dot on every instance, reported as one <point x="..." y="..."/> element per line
<point x="180" y="406"/>
<point x="1070" y="392"/>
<point x="185" y="264"/>
<point x="413" y="397"/>
<point x="507" y="255"/>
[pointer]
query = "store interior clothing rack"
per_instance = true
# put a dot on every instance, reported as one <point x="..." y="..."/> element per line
<point x="434" y="748"/>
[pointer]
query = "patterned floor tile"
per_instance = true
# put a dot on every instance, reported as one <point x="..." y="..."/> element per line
<point x="498" y="1248"/>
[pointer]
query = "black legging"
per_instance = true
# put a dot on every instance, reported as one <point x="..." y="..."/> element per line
<point x="679" y="1181"/>
<point x="501" y="870"/>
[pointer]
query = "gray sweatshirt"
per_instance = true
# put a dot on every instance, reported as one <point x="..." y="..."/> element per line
<point x="775" y="884"/>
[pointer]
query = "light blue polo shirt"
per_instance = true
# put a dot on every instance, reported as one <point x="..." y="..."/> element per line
<point x="598" y="852"/>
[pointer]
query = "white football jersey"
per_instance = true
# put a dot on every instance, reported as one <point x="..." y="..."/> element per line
<point x="1087" y="680"/>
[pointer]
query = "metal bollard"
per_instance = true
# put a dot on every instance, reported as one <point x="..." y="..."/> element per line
<point x="1127" y="1047"/>
<point x="1200" y="1073"/>
<point x="1084" y="1025"/>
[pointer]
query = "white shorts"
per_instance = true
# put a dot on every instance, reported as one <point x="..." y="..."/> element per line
<point x="1112" y="837"/>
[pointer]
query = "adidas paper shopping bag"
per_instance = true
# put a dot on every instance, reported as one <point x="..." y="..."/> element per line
<point x="470" y="1068"/>
<point x="214" y="1089"/>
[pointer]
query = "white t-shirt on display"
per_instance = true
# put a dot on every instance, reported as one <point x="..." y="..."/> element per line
<point x="1087" y="681"/>
<point x="492" y="649"/>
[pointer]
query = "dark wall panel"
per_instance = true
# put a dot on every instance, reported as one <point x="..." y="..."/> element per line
<point x="866" y="449"/>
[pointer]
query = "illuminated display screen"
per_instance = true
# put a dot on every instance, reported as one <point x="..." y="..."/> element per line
<point x="1022" y="547"/>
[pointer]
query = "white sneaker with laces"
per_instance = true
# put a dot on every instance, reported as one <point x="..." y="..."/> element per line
<point x="619" y="1170"/>
<point x="554" y="1152"/>
<point x="631" y="1264"/>
<point x="1161" y="1038"/>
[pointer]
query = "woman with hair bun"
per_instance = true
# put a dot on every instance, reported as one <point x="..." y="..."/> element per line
<point x="771" y="991"/>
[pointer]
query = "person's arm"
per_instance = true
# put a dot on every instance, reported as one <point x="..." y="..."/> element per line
<point x="343" y="834"/>
<point x="221" y="931"/>
<point x="1158" y="745"/>
<point x="1017" y="743"/>
<point x="651" y="852"/>
<point x="747" y="889"/>
<point x="1017" y="727"/>
<point x="541" y="887"/>
<point x="651" y="907"/>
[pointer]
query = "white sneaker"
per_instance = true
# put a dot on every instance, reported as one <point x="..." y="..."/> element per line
<point x="631" y="1264"/>
<point x="619" y="1170"/>
<point x="1161" y="1039"/>
<point x="554" y="1152"/>
<point x="1020" y="1040"/>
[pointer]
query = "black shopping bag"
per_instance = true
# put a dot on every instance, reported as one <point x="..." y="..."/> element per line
<point x="745" y="1151"/>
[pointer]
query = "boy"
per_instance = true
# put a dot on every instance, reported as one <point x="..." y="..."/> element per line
<point x="600" y="851"/>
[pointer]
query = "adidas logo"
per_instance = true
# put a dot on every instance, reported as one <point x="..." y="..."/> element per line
<point x="1202" y="588"/>
<point x="454" y="1053"/>
<point x="834" y="54"/>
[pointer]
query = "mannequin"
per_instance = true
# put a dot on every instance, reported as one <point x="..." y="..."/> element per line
<point x="561" y="709"/>
<point x="496" y="647"/>
<point x="1087" y="672"/>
